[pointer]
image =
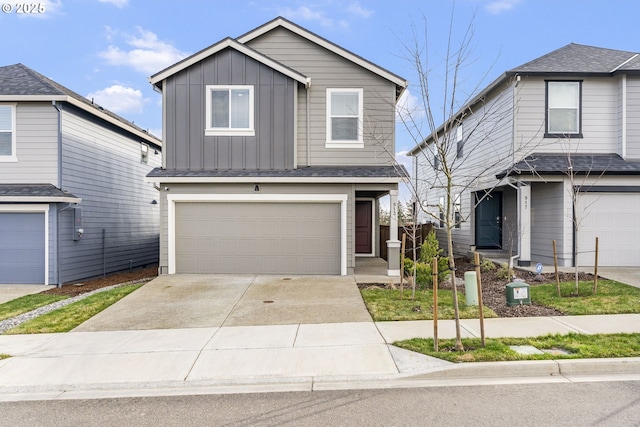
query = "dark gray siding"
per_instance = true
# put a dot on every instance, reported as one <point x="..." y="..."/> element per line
<point x="102" y="166"/>
<point x="186" y="145"/>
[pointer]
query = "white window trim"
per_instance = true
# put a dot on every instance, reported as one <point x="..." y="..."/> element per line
<point x="345" y="144"/>
<point x="13" y="157"/>
<point x="373" y="227"/>
<point x="210" y="131"/>
<point x="172" y="199"/>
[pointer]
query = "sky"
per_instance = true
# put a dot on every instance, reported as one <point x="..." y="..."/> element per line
<point x="106" y="49"/>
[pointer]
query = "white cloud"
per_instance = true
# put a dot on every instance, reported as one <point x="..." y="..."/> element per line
<point x="149" y="54"/>
<point x="119" y="99"/>
<point x="356" y="9"/>
<point x="118" y="3"/>
<point x="500" y="6"/>
<point x="307" y="14"/>
<point x="409" y="108"/>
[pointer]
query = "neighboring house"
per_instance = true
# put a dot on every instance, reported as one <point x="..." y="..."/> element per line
<point x="574" y="109"/>
<point x="278" y="146"/>
<point x="73" y="201"/>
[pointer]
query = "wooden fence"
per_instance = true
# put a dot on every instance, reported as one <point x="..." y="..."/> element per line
<point x="421" y="234"/>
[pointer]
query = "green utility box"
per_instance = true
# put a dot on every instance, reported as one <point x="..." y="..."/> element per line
<point x="518" y="294"/>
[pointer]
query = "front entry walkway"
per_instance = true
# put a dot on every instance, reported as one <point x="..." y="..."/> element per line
<point x="202" y="301"/>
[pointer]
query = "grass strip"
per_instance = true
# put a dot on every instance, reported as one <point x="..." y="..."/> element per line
<point x="27" y="303"/>
<point x="612" y="298"/>
<point x="72" y="315"/>
<point x="386" y="305"/>
<point x="497" y="349"/>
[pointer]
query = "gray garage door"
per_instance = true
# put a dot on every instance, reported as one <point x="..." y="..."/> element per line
<point x="613" y="218"/>
<point x="22" y="248"/>
<point x="263" y="238"/>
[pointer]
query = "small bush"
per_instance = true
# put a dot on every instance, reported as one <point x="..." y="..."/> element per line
<point x="487" y="265"/>
<point x="430" y="248"/>
<point x="504" y="272"/>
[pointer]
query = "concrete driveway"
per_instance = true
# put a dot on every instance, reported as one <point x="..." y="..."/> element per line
<point x="202" y="301"/>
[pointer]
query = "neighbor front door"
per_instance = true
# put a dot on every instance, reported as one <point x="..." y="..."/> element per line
<point x="489" y="222"/>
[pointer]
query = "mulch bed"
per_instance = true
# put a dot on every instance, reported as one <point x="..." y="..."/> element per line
<point x="494" y="289"/>
<point x="77" y="288"/>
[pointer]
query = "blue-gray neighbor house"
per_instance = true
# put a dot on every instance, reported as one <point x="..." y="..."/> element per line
<point x="73" y="201"/>
<point x="279" y="145"/>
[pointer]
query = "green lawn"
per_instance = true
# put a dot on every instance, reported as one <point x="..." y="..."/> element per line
<point x="497" y="349"/>
<point x="27" y="303"/>
<point x="385" y="304"/>
<point x="612" y="298"/>
<point x="72" y="315"/>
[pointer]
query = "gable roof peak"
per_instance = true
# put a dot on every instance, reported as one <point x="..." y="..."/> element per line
<point x="575" y="58"/>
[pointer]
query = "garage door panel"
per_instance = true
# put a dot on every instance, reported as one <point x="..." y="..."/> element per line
<point x="269" y="238"/>
<point x="22" y="248"/>
<point x="612" y="217"/>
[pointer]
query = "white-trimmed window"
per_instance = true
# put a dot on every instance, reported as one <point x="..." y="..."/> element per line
<point x="8" y="133"/>
<point x="144" y="153"/>
<point x="563" y="109"/>
<point x="344" y="118"/>
<point x="229" y="110"/>
<point x="459" y="142"/>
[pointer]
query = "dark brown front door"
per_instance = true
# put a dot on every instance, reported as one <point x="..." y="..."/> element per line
<point x="364" y="214"/>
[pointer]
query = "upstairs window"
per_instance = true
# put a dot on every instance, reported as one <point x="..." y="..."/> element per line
<point x="229" y="110"/>
<point x="144" y="153"/>
<point x="564" y="109"/>
<point x="344" y="118"/>
<point x="7" y="133"/>
<point x="459" y="142"/>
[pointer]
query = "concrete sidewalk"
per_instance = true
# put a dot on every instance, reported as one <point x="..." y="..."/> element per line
<point x="275" y="357"/>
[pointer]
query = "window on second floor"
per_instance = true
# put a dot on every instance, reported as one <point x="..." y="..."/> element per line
<point x="7" y="132"/>
<point x="459" y="142"/>
<point x="344" y="118"/>
<point x="144" y="153"/>
<point x="229" y="110"/>
<point x="563" y="116"/>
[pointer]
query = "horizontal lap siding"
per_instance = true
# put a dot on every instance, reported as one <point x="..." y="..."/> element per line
<point x="102" y="166"/>
<point x="36" y="146"/>
<point x="599" y="117"/>
<point x="633" y="117"/>
<point x="328" y="70"/>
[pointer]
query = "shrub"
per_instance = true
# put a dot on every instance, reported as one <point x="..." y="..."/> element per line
<point x="430" y="248"/>
<point x="487" y="265"/>
<point x="504" y="272"/>
<point x="424" y="272"/>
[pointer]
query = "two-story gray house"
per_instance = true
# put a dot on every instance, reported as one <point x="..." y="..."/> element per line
<point x="552" y="143"/>
<point x="278" y="146"/>
<point x="73" y="201"/>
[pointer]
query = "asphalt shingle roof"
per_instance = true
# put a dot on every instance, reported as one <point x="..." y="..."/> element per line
<point x="33" y="190"/>
<point x="553" y="164"/>
<point x="303" y="172"/>
<point x="20" y="80"/>
<point x="577" y="58"/>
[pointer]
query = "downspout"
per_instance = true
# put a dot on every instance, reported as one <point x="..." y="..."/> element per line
<point x="308" y="124"/>
<point x="58" y="234"/>
<point x="624" y="117"/>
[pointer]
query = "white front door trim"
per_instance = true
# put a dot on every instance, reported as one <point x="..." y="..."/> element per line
<point x="172" y="199"/>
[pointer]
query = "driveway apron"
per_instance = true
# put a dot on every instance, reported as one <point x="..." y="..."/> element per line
<point x="201" y="301"/>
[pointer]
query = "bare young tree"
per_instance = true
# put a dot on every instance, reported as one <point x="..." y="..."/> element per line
<point x="459" y="162"/>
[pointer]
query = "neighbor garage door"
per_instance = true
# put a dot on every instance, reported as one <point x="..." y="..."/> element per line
<point x="22" y="248"/>
<point x="263" y="238"/>
<point x="613" y="218"/>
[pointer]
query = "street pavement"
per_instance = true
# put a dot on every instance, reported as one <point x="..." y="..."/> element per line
<point x="269" y="334"/>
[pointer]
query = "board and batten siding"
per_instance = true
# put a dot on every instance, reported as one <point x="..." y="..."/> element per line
<point x="101" y="164"/>
<point x="633" y="117"/>
<point x="187" y="147"/>
<point x="551" y="220"/>
<point x="248" y="189"/>
<point x="600" y="117"/>
<point x="329" y="70"/>
<point x="36" y="146"/>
